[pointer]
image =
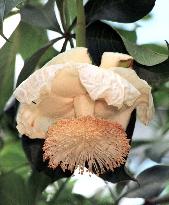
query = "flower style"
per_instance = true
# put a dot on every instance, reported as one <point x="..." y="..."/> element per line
<point x="82" y="110"/>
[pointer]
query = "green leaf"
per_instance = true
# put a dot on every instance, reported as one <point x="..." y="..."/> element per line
<point x="12" y="157"/>
<point x="157" y="150"/>
<point x="152" y="181"/>
<point x="119" y="174"/>
<point x="13" y="190"/>
<point x="138" y="143"/>
<point x="51" y="52"/>
<point x="125" y="11"/>
<point x="43" y="16"/>
<point x="67" y="12"/>
<point x="31" y="38"/>
<point x="152" y="67"/>
<point x="70" y="11"/>
<point x="7" y="59"/>
<point x="158" y="48"/>
<point x="2" y="11"/>
<point x="5" y="7"/>
<point x="25" y="40"/>
<point x="130" y="35"/>
<point x="9" y="5"/>
<point x="102" y="38"/>
<point x="30" y="64"/>
<point x="37" y="182"/>
<point x="143" y="54"/>
<point x="153" y="75"/>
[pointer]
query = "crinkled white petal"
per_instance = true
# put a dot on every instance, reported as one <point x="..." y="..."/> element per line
<point x="31" y="122"/>
<point x="110" y="59"/>
<point x="38" y="85"/>
<point x="145" y="112"/>
<point x="144" y="104"/>
<point x="60" y="80"/>
<point x="58" y="91"/>
<point x="106" y="84"/>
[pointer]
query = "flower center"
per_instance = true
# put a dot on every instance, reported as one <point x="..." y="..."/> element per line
<point x="97" y="144"/>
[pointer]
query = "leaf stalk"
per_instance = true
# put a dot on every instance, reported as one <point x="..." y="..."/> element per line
<point x="81" y="24"/>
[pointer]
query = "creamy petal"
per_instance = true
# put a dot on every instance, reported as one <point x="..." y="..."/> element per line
<point x="61" y="91"/>
<point x="67" y="83"/>
<point x="122" y="116"/>
<point x="37" y="85"/>
<point x="144" y="104"/>
<point x="110" y="59"/>
<point x="84" y="106"/>
<point x="108" y="85"/>
<point x="31" y="123"/>
<point x="61" y="80"/>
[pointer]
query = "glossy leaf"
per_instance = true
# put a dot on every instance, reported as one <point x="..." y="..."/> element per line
<point x="119" y="174"/>
<point x="103" y="38"/>
<point x="5" y="7"/>
<point x="143" y="54"/>
<point x="7" y="65"/>
<point x="130" y="35"/>
<point x="8" y="55"/>
<point x="31" y="39"/>
<point x="12" y="157"/>
<point x="157" y="151"/>
<point x="125" y="11"/>
<point x="153" y="74"/>
<point x="36" y="184"/>
<point x="13" y="190"/>
<point x="43" y="16"/>
<point x="61" y="5"/>
<point x="70" y="11"/>
<point x="31" y="63"/>
<point x="152" y="181"/>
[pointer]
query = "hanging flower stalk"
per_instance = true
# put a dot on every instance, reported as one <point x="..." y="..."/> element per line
<point x="82" y="111"/>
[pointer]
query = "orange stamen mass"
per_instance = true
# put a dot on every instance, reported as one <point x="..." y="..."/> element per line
<point x="97" y="144"/>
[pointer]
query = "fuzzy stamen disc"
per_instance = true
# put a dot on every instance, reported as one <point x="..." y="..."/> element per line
<point x="100" y="145"/>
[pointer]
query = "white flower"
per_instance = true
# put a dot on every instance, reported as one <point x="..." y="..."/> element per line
<point x="69" y="90"/>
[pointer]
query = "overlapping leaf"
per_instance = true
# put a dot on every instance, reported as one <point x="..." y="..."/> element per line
<point x="152" y="181"/>
<point x="125" y="11"/>
<point x="31" y="62"/>
<point x="43" y="16"/>
<point x="12" y="157"/>
<point x="67" y="11"/>
<point x="13" y="190"/>
<point x="30" y="39"/>
<point x="158" y="150"/>
<point x="150" y="66"/>
<point x="20" y="42"/>
<point x="7" y="66"/>
<point x="5" y="7"/>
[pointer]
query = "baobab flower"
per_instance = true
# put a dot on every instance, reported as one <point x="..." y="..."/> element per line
<point x="82" y="110"/>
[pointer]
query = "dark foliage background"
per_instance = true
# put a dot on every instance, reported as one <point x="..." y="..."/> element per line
<point x="24" y="177"/>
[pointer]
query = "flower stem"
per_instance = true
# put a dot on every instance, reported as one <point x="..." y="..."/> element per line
<point x="80" y="27"/>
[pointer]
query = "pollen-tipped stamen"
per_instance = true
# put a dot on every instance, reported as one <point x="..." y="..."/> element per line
<point x="73" y="143"/>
